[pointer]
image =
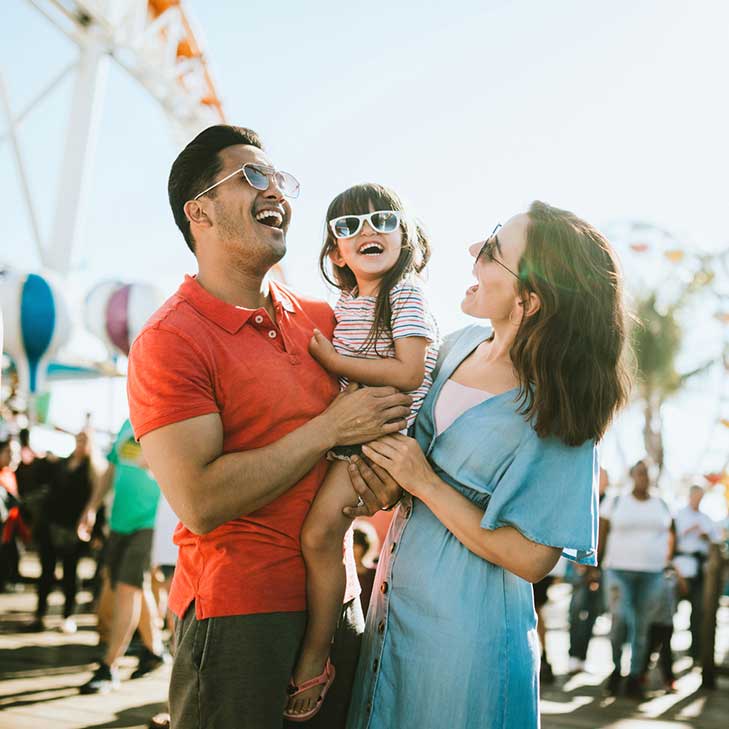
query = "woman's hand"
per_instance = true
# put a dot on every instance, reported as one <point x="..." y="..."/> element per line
<point x="403" y="459"/>
<point x="322" y="350"/>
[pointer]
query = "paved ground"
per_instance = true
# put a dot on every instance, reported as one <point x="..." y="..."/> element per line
<point x="40" y="674"/>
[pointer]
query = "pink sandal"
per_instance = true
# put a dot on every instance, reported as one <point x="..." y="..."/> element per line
<point x="325" y="679"/>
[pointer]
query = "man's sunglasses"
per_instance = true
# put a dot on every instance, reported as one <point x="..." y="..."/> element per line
<point x="259" y="178"/>
<point x="489" y="249"/>
<point x="381" y="221"/>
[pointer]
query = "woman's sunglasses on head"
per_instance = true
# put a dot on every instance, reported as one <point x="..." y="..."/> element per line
<point x="259" y="178"/>
<point x="381" y="221"/>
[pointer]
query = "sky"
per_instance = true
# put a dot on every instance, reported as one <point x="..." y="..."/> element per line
<point x="470" y="110"/>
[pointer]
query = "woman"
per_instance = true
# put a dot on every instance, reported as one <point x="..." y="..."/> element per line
<point x="637" y="539"/>
<point x="55" y="532"/>
<point x="501" y="478"/>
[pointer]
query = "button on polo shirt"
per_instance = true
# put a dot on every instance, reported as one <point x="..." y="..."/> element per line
<point x="198" y="355"/>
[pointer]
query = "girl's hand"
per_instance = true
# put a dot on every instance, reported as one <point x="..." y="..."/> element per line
<point x="322" y="350"/>
<point x="402" y="458"/>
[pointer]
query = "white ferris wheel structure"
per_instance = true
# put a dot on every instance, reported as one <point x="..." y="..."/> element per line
<point x="154" y="42"/>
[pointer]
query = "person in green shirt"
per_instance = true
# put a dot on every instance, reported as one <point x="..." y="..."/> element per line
<point x="127" y="557"/>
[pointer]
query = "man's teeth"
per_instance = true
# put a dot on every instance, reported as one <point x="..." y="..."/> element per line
<point x="272" y="218"/>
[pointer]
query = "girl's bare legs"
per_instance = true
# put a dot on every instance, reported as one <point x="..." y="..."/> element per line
<point x="322" y="538"/>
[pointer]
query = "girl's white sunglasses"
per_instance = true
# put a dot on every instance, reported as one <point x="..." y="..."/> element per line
<point x="381" y="221"/>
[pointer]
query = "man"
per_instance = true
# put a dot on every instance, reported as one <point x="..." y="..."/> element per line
<point x="587" y="602"/>
<point x="235" y="418"/>
<point x="11" y="522"/>
<point x="127" y="558"/>
<point x="694" y="533"/>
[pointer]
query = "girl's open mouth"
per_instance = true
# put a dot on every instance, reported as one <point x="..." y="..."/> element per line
<point x="371" y="249"/>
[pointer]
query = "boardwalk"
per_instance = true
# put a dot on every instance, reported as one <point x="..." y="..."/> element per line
<point x="40" y="674"/>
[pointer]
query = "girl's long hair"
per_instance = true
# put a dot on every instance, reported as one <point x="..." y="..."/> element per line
<point x="571" y="355"/>
<point x="414" y="254"/>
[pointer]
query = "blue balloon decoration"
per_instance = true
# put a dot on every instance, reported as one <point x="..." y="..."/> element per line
<point x="37" y="321"/>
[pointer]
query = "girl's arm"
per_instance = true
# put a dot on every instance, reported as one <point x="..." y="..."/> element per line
<point x="405" y="370"/>
<point x="506" y="546"/>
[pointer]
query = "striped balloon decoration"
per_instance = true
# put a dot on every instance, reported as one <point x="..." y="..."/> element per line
<point x="36" y="322"/>
<point x="116" y="312"/>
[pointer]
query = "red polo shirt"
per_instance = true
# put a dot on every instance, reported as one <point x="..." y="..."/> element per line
<point x="199" y="355"/>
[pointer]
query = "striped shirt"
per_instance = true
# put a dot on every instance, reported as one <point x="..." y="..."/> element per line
<point x="410" y="318"/>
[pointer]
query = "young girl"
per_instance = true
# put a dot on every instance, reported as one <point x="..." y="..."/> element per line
<point x="384" y="335"/>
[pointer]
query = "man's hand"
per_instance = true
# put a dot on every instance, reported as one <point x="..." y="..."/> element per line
<point x="86" y="525"/>
<point x="377" y="489"/>
<point x="359" y="416"/>
<point x="322" y="350"/>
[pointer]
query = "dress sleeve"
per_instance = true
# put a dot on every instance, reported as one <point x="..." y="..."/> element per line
<point x="168" y="380"/>
<point x="410" y="315"/>
<point x="549" y="493"/>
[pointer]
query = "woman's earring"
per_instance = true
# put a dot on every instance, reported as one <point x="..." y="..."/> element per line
<point x="517" y="324"/>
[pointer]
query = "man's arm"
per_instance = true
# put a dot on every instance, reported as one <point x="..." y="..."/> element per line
<point x="602" y="538"/>
<point x="206" y="488"/>
<point x="101" y="487"/>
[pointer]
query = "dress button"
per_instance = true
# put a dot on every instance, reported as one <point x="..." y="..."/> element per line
<point x="383" y="587"/>
<point x="258" y="319"/>
<point x="381" y="626"/>
<point x="376" y="665"/>
<point x="392" y="547"/>
<point x="272" y="334"/>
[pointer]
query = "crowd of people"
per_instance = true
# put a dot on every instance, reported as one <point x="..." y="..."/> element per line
<point x="651" y="557"/>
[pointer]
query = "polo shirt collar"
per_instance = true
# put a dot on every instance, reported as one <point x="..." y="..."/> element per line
<point x="229" y="317"/>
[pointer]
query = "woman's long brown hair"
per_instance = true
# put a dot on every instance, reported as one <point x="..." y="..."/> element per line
<point x="571" y="355"/>
<point x="414" y="255"/>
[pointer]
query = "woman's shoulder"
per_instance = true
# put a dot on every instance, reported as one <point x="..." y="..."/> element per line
<point x="467" y="334"/>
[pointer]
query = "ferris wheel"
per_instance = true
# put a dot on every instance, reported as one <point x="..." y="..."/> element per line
<point x="155" y="42"/>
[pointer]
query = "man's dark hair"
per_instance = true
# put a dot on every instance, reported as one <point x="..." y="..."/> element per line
<point x="24" y="437"/>
<point x="197" y="166"/>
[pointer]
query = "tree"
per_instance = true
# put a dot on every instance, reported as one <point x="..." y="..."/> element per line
<point x="657" y="341"/>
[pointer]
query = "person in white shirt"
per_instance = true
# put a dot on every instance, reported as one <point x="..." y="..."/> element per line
<point x="635" y="546"/>
<point x="694" y="533"/>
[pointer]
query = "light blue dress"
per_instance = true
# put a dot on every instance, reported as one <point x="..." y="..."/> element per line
<point x="451" y="640"/>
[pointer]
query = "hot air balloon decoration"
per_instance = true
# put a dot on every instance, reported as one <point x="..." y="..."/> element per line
<point x="37" y="324"/>
<point x="116" y="312"/>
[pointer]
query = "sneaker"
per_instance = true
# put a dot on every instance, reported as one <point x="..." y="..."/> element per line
<point x="575" y="665"/>
<point x="149" y="662"/>
<point x="105" y="679"/>
<point x="68" y="626"/>
<point x="160" y="721"/>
